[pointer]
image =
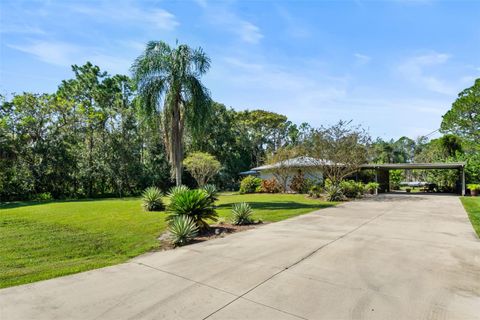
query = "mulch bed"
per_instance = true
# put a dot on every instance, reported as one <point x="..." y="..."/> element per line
<point x="215" y="231"/>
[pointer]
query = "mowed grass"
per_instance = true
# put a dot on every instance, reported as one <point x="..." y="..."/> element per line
<point x="45" y="240"/>
<point x="472" y="206"/>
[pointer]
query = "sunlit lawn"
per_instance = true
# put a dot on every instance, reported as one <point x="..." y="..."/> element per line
<point x="472" y="205"/>
<point x="46" y="240"/>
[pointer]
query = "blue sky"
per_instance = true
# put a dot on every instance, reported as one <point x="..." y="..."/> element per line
<point x="394" y="67"/>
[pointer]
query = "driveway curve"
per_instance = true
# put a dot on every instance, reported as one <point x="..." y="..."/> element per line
<point x="388" y="257"/>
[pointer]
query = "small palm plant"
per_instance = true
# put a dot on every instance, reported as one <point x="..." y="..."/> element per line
<point x="183" y="230"/>
<point x="242" y="213"/>
<point x="195" y="204"/>
<point x="152" y="199"/>
<point x="212" y="192"/>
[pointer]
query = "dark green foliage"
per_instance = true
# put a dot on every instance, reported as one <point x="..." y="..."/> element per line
<point x="152" y="199"/>
<point x="193" y="203"/>
<point x="352" y="189"/>
<point x="250" y="184"/>
<point x="83" y="141"/>
<point x="183" y="230"/>
<point x="242" y="213"/>
<point x="371" y="187"/>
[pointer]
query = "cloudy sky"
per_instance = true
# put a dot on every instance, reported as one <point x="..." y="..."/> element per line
<point x="394" y="67"/>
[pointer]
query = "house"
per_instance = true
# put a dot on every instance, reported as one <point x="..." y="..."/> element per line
<point x="307" y="166"/>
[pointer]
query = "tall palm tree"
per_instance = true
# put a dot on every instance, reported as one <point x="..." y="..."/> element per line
<point x="168" y="81"/>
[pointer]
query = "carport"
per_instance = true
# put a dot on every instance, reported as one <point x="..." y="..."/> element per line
<point x="382" y="175"/>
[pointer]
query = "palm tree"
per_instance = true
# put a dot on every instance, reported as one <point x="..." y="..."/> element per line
<point x="168" y="81"/>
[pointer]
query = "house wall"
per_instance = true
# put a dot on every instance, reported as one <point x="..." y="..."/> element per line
<point x="311" y="174"/>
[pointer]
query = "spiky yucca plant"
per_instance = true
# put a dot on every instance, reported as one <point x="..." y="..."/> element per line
<point x="152" y="199"/>
<point x="242" y="213"/>
<point x="212" y="192"/>
<point x="177" y="189"/>
<point x="183" y="230"/>
<point x="192" y="203"/>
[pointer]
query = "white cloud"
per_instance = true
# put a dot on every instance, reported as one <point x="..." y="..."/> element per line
<point x="415" y="69"/>
<point x="126" y="12"/>
<point x="226" y="18"/>
<point x="56" y="53"/>
<point x="362" y="58"/>
<point x="249" y="32"/>
<point x="65" y="54"/>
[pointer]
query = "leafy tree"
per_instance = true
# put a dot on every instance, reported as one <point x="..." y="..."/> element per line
<point x="281" y="162"/>
<point x="168" y="79"/>
<point x="202" y="166"/>
<point x="339" y="150"/>
<point x="463" y="119"/>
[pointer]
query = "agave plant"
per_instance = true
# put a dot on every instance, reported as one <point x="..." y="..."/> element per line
<point x="334" y="192"/>
<point x="177" y="189"/>
<point x="195" y="204"/>
<point x="183" y="230"/>
<point x="242" y="213"/>
<point x="212" y="192"/>
<point x="152" y="199"/>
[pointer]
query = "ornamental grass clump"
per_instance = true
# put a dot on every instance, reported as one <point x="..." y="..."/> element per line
<point x="152" y="199"/>
<point x="183" y="230"/>
<point x="242" y="213"/>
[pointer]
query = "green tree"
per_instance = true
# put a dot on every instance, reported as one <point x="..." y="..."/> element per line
<point x="168" y="79"/>
<point x="463" y="119"/>
<point x="202" y="166"/>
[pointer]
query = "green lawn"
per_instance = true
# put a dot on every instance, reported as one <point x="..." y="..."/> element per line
<point x="46" y="240"/>
<point x="472" y="205"/>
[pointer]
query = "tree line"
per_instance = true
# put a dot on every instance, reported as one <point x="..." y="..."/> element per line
<point x="113" y="135"/>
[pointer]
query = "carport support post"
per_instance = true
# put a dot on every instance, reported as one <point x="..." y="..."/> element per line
<point x="463" y="180"/>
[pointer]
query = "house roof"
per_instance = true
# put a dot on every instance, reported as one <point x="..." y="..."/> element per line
<point x="299" y="162"/>
<point x="433" y="165"/>
<point x="305" y="162"/>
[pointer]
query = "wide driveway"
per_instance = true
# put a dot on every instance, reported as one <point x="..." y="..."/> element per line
<point x="392" y="257"/>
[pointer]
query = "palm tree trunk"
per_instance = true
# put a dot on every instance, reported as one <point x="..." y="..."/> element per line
<point x="177" y="146"/>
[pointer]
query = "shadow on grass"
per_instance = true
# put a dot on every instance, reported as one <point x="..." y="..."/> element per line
<point x="18" y="204"/>
<point x="280" y="205"/>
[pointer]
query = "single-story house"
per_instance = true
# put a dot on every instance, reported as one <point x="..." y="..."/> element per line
<point x="310" y="168"/>
<point x="306" y="165"/>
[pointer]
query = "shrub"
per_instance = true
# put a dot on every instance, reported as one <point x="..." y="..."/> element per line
<point x="202" y="166"/>
<point x="352" y="189"/>
<point x="177" y="189"/>
<point x="250" y="184"/>
<point x="152" y="199"/>
<point x="371" y="187"/>
<point x="45" y="196"/>
<point x="183" y="230"/>
<point x="473" y="187"/>
<point x="270" y="186"/>
<point x="211" y="191"/>
<point x="315" y="191"/>
<point x="195" y="204"/>
<point x="299" y="184"/>
<point x="241" y="213"/>
<point x="334" y="192"/>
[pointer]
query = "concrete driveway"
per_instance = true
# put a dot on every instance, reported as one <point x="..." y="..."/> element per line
<point x="395" y="257"/>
